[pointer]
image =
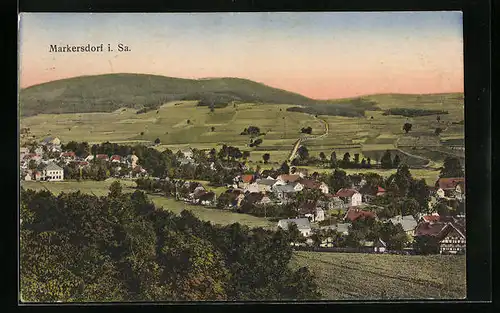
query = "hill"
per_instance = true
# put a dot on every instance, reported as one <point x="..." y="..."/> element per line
<point x="106" y="93"/>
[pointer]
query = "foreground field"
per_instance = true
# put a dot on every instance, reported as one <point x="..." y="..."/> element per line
<point x="354" y="276"/>
<point x="101" y="188"/>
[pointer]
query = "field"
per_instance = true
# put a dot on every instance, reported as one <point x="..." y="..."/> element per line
<point x="101" y="188"/>
<point x="369" y="136"/>
<point x="354" y="276"/>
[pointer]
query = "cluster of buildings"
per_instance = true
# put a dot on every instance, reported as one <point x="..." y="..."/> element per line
<point x="46" y="162"/>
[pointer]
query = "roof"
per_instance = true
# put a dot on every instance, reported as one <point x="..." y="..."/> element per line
<point x="407" y="222"/>
<point x="302" y="223"/>
<point x="429" y="229"/>
<point x="265" y="181"/>
<point x="354" y="214"/>
<point x="53" y="167"/>
<point x="116" y="157"/>
<point x="431" y="218"/>
<point x="346" y="192"/>
<point x="289" y="178"/>
<point x="67" y="154"/>
<point x="450" y="183"/>
<point x="284" y="188"/>
<point x="380" y="189"/>
<point x="309" y="183"/>
<point x="247" y="178"/>
<point x="308" y="207"/>
<point x="102" y="156"/>
<point x="254" y="197"/>
<point x="340" y="227"/>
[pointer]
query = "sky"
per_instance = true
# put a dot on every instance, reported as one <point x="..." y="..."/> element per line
<point x="322" y="55"/>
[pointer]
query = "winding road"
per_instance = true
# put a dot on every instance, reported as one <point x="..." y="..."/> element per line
<point x="307" y="138"/>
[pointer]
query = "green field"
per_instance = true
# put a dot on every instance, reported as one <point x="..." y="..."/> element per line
<point x="354" y="276"/>
<point x="100" y="188"/>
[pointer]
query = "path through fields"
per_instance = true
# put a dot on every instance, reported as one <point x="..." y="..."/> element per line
<point x="307" y="138"/>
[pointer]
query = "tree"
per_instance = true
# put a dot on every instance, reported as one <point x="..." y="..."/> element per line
<point x="212" y="128"/>
<point x="363" y="163"/>
<point x="438" y="131"/>
<point x="142" y="133"/>
<point x="386" y="160"/>
<point x="407" y="127"/>
<point x="356" y="158"/>
<point x="303" y="152"/>
<point x="322" y="156"/>
<point x="396" y="161"/>
<point x="333" y="160"/>
<point x="212" y="107"/>
<point x="451" y="168"/>
<point x="438" y="118"/>
<point x="157" y="141"/>
<point x="266" y="157"/>
<point x="189" y="121"/>
<point x="246" y="155"/>
<point x="284" y="169"/>
<point x="115" y="190"/>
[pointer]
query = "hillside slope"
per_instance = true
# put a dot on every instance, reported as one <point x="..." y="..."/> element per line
<point x="106" y="93"/>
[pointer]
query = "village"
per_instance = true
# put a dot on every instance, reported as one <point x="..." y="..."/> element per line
<point x="326" y="219"/>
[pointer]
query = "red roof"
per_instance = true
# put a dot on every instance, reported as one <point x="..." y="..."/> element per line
<point x="83" y="163"/>
<point x="115" y="157"/>
<point x="429" y="229"/>
<point x="247" y="178"/>
<point x="450" y="183"/>
<point x="102" y="156"/>
<point x="346" y="192"/>
<point x="68" y="154"/>
<point x="431" y="218"/>
<point x="354" y="214"/>
<point x="309" y="183"/>
<point x="30" y="155"/>
<point x="380" y="189"/>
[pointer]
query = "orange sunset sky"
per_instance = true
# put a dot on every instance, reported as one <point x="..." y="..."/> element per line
<point x="322" y="55"/>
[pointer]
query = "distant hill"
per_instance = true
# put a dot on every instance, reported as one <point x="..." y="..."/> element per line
<point x="106" y="93"/>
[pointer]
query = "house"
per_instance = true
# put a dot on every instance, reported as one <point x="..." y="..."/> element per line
<point x="69" y="155"/>
<point x="303" y="225"/>
<point x="188" y="153"/>
<point x="285" y="179"/>
<point x="27" y="176"/>
<point x="312" y="211"/>
<point x="341" y="228"/>
<point x="350" y="196"/>
<point x="51" y="141"/>
<point x="452" y="239"/>
<point x="450" y="187"/>
<point x="53" y="172"/>
<point x="115" y="159"/>
<point x="251" y="187"/>
<point x="265" y="185"/>
<point x="433" y="218"/>
<point x="407" y="222"/>
<point x="257" y="198"/>
<point x="102" y="157"/>
<point x="132" y="159"/>
<point x="450" y="236"/>
<point x="184" y="161"/>
<point x="354" y="213"/>
<point x="380" y="191"/>
<point x="378" y="246"/>
<point x="312" y="184"/>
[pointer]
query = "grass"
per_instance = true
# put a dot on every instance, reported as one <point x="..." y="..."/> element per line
<point x="354" y="276"/>
<point x="100" y="188"/>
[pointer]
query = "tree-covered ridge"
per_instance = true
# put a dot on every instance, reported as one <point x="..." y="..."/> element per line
<point x="83" y="248"/>
<point x="409" y="112"/>
<point x="106" y="93"/>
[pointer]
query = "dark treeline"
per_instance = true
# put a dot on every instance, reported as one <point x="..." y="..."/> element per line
<point x="413" y="112"/>
<point x="81" y="248"/>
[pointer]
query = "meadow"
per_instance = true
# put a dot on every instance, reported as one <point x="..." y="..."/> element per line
<point x="100" y="188"/>
<point x="181" y="124"/>
<point x="355" y="276"/>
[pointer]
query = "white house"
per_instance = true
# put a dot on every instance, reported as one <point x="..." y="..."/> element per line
<point x="350" y="196"/>
<point x="188" y="153"/>
<point x="303" y="225"/>
<point x="407" y="222"/>
<point x="53" y="172"/>
<point x="252" y="187"/>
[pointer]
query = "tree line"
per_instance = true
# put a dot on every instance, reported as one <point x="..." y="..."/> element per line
<point x="76" y="247"/>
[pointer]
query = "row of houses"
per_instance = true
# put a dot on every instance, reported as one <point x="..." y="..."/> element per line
<point x="449" y="233"/>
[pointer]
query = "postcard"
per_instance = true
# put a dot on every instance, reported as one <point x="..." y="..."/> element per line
<point x="255" y="156"/>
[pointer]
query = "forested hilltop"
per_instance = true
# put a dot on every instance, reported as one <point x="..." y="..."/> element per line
<point x="83" y="248"/>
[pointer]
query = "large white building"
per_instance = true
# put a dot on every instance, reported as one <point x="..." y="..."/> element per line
<point x="53" y="172"/>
